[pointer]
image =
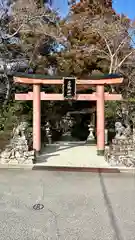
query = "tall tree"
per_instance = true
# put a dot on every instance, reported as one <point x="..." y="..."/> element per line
<point x="9" y="50"/>
<point x="38" y="28"/>
<point x="98" y="39"/>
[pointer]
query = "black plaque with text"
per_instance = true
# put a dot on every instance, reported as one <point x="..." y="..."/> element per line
<point x="69" y="87"/>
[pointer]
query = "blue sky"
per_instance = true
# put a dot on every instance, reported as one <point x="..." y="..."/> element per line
<point x="121" y="6"/>
<point x="125" y="6"/>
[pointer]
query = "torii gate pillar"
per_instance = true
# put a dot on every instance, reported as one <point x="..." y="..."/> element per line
<point x="36" y="118"/>
<point x="100" y="120"/>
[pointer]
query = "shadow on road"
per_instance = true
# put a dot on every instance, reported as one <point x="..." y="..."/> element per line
<point x="113" y="221"/>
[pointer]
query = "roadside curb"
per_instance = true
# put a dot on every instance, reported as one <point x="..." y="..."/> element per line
<point x="19" y="166"/>
<point x="37" y="167"/>
<point x="127" y="170"/>
<point x="76" y="169"/>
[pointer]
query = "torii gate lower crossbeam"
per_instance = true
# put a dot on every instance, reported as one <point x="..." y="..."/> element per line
<point x="99" y="96"/>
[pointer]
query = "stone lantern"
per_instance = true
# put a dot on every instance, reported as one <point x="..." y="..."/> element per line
<point x="48" y="132"/>
<point x="91" y="137"/>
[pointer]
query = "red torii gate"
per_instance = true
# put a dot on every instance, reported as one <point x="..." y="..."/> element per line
<point x="99" y="96"/>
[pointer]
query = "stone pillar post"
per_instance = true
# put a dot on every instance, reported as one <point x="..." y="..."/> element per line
<point x="36" y="118"/>
<point x="100" y="120"/>
<point x="106" y="136"/>
<point x="134" y="134"/>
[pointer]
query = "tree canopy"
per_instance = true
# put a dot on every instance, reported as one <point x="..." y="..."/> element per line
<point x="98" y="39"/>
<point x="91" y="38"/>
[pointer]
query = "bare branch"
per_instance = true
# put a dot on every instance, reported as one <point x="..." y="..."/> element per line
<point x="120" y="45"/>
<point x="93" y="49"/>
<point x="108" y="47"/>
<point x="26" y="21"/>
<point x="129" y="54"/>
<point x="111" y="56"/>
<point x="16" y="32"/>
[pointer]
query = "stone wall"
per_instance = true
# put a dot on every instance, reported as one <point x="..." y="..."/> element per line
<point x="121" y="152"/>
<point x="18" y="151"/>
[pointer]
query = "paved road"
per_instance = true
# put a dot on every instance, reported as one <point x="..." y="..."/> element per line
<point x="85" y="206"/>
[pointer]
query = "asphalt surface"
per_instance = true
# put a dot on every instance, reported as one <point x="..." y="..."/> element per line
<point x="85" y="206"/>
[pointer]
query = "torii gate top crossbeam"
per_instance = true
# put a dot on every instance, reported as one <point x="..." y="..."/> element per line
<point x="44" y="79"/>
